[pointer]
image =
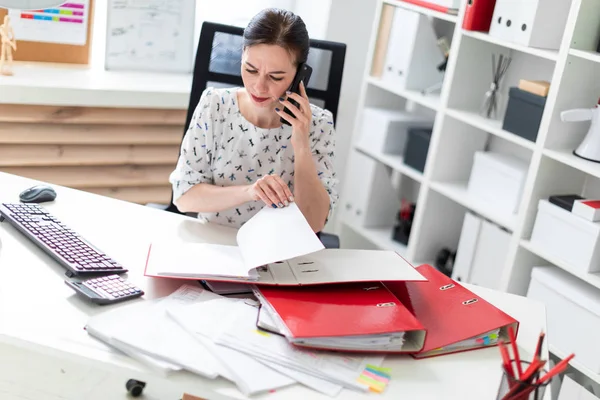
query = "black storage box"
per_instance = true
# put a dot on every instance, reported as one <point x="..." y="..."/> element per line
<point x="417" y="145"/>
<point x="524" y="113"/>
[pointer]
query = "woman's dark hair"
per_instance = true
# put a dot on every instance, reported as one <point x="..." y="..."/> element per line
<point x="279" y="27"/>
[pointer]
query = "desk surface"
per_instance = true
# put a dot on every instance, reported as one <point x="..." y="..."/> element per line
<point x="49" y="317"/>
<point x="83" y="86"/>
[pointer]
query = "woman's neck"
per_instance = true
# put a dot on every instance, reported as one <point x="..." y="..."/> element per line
<point x="265" y="118"/>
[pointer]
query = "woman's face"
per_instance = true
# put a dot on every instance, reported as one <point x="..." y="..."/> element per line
<point x="267" y="72"/>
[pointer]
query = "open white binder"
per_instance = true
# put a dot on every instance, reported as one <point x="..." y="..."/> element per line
<point x="277" y="246"/>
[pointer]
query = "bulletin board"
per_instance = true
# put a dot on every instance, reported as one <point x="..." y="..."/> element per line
<point x="57" y="27"/>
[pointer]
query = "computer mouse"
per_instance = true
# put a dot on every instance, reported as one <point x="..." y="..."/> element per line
<point x="37" y="194"/>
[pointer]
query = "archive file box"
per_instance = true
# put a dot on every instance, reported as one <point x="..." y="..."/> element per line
<point x="498" y="180"/>
<point x="569" y="237"/>
<point x="371" y="201"/>
<point x="573" y="313"/>
<point x="385" y="131"/>
<point x="481" y="252"/>
<point x="532" y="23"/>
<point x="412" y="55"/>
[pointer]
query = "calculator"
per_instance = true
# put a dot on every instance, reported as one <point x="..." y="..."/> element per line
<point x="106" y="289"/>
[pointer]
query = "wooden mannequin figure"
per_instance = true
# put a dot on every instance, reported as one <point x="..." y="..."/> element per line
<point x="9" y="44"/>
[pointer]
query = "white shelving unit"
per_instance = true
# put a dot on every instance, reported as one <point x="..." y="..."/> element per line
<point x="442" y="198"/>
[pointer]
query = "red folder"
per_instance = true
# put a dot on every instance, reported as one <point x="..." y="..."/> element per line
<point x="478" y="15"/>
<point x="349" y="317"/>
<point x="454" y="317"/>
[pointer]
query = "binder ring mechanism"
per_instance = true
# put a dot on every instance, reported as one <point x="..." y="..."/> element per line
<point x="448" y="286"/>
<point x="390" y="304"/>
<point x="470" y="301"/>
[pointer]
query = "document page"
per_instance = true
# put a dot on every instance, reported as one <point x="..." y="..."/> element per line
<point x="200" y="260"/>
<point x="204" y="323"/>
<point x="340" y="369"/>
<point x="208" y="322"/>
<point x="276" y="234"/>
<point x="146" y="328"/>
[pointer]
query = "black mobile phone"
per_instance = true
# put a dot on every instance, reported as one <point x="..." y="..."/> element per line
<point x="302" y="75"/>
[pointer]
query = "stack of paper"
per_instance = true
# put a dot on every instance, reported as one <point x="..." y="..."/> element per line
<point x="232" y="325"/>
<point x="190" y="330"/>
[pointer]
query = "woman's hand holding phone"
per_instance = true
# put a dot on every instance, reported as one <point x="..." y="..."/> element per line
<point x="272" y="190"/>
<point x="301" y="119"/>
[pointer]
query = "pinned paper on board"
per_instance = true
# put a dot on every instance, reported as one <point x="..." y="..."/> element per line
<point x="65" y="24"/>
<point x="152" y="35"/>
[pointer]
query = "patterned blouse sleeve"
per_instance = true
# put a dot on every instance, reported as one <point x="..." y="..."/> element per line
<point x="323" y="150"/>
<point x="195" y="155"/>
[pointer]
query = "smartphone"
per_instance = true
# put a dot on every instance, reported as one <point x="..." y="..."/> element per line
<point x="302" y="75"/>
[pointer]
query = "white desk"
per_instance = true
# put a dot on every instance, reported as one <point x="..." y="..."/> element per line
<point x="46" y="321"/>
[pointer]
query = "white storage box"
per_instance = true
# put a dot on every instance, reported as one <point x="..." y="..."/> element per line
<point x="564" y="235"/>
<point x="370" y="199"/>
<point x="385" y="131"/>
<point x="572" y="313"/>
<point x="481" y="252"/>
<point x="533" y="23"/>
<point x="498" y="180"/>
<point x="412" y="54"/>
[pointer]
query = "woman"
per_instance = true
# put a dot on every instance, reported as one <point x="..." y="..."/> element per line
<point x="237" y="156"/>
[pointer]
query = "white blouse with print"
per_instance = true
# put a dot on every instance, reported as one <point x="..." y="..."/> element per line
<point x="222" y="148"/>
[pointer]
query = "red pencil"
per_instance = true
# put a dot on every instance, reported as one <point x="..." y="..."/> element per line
<point x="513" y="342"/>
<point x="558" y="368"/>
<point x="506" y="358"/>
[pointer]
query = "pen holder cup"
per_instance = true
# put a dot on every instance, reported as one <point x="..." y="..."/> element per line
<point x="511" y="388"/>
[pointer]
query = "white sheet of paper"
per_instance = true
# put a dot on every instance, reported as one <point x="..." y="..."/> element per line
<point x="338" y="368"/>
<point x="207" y="322"/>
<point x="64" y="24"/>
<point x="204" y="322"/>
<point x="276" y="234"/>
<point x="154" y="333"/>
<point x="145" y="328"/>
<point x="201" y="259"/>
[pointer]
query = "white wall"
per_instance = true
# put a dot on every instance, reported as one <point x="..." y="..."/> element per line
<point x="315" y="14"/>
<point x="350" y="22"/>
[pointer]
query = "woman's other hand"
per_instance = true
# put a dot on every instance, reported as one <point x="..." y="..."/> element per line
<point x="272" y="190"/>
<point x="301" y="118"/>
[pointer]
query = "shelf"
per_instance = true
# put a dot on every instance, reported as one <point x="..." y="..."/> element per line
<point x="457" y="191"/>
<point x="489" y="125"/>
<point x="567" y="157"/>
<point x="393" y="161"/>
<point x="430" y="101"/>
<point x="381" y="237"/>
<point x="588" y="55"/>
<point x="547" y="54"/>
<point x="592" y="279"/>
<point x="422" y="10"/>
<point x="574" y="363"/>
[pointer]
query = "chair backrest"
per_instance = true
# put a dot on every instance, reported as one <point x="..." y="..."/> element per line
<point x="218" y="64"/>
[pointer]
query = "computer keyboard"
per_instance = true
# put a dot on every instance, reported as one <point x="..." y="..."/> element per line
<point x="66" y="246"/>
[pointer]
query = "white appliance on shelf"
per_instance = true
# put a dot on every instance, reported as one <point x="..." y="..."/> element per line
<point x="589" y="149"/>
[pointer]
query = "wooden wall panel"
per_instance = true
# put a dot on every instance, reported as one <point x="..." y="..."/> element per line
<point x="126" y="154"/>
<point x="32" y="133"/>
<point x="96" y="176"/>
<point x="14" y="155"/>
<point x="90" y="115"/>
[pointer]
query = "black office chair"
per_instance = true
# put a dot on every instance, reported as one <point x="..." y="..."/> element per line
<point x="218" y="64"/>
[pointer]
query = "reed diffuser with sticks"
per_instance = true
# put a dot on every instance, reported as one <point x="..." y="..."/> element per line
<point x="492" y="98"/>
